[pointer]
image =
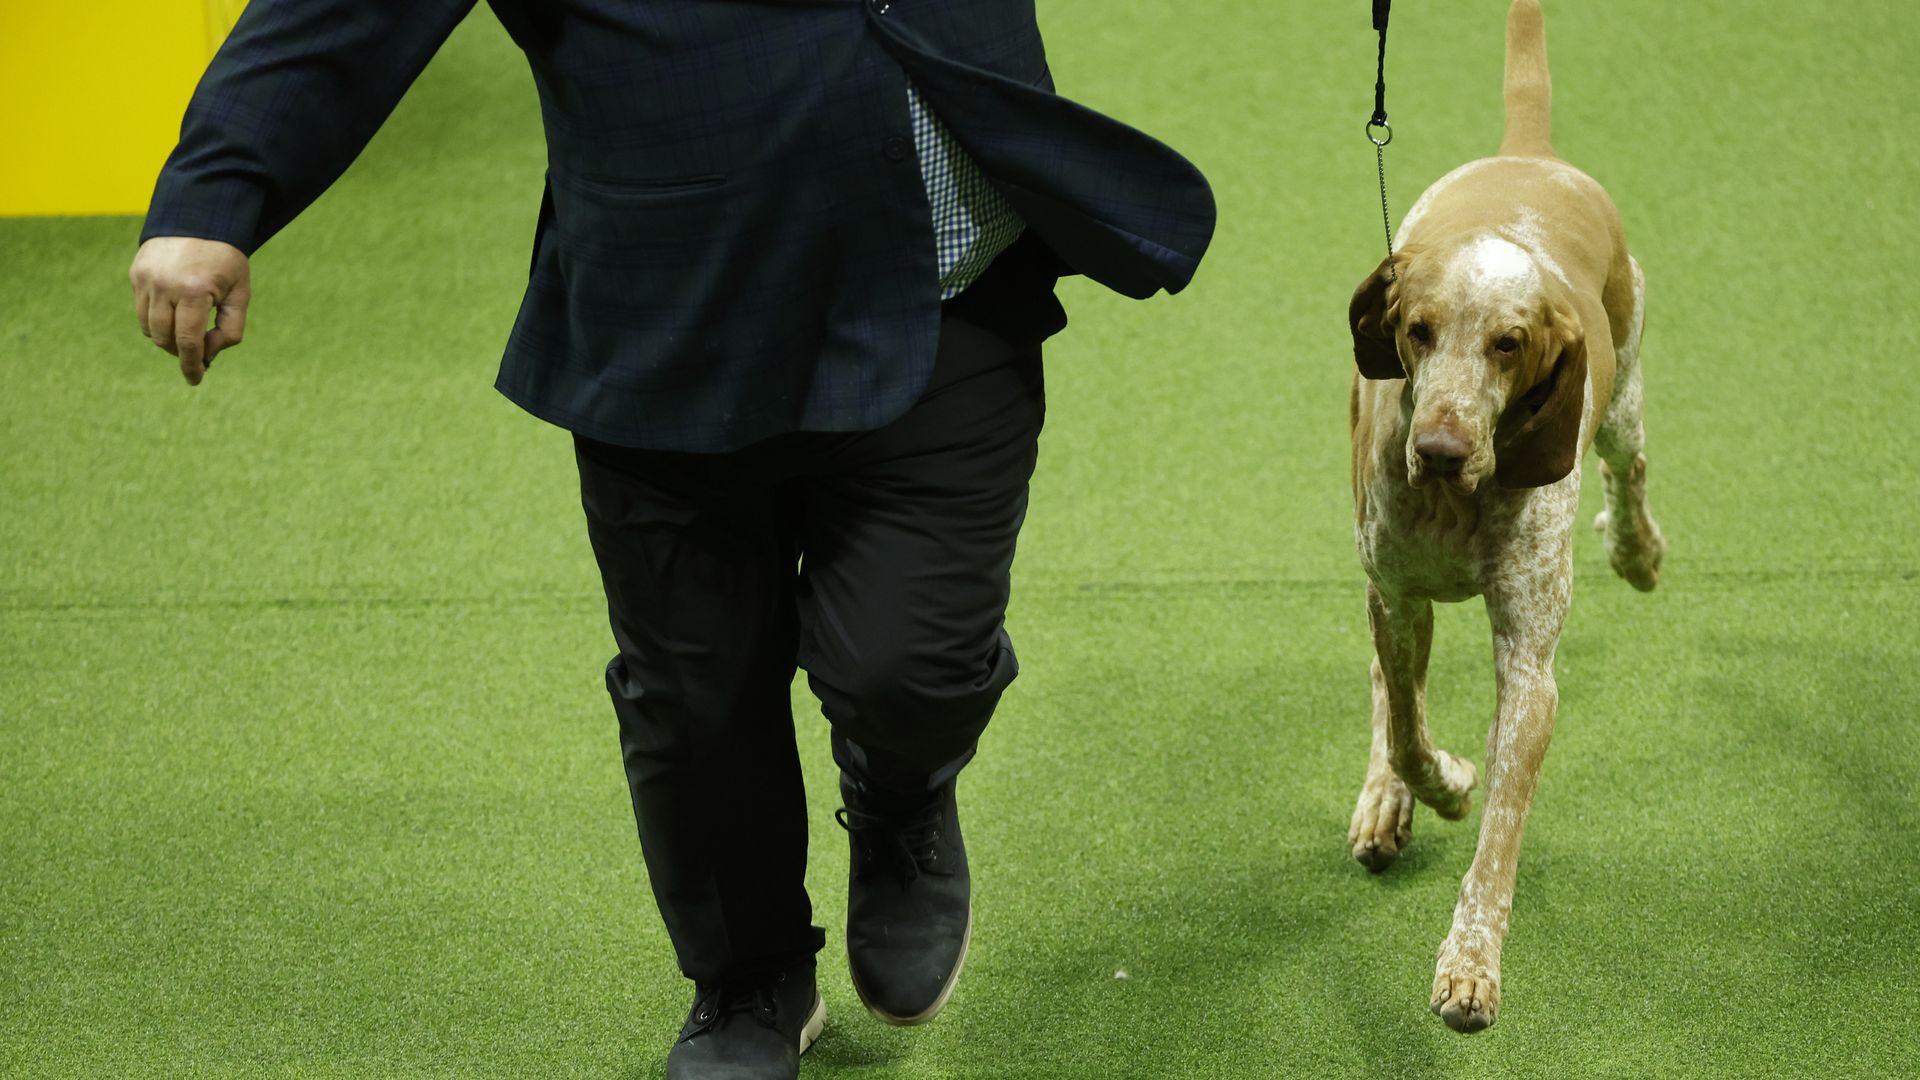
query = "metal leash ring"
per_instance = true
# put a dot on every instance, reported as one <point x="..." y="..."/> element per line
<point x="1383" y="126"/>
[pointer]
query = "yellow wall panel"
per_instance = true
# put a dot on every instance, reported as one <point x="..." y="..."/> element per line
<point x="91" y="96"/>
<point x="221" y="15"/>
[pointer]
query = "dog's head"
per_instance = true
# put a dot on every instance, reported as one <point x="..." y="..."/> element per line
<point x="1494" y="357"/>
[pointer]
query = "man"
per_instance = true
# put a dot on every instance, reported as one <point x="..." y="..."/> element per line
<point x="791" y="274"/>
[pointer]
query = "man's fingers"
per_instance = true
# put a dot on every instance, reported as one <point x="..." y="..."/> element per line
<point x="217" y="343"/>
<point x="229" y="325"/>
<point x="190" y="326"/>
<point x="160" y="321"/>
<point x="134" y="277"/>
<point x="190" y="334"/>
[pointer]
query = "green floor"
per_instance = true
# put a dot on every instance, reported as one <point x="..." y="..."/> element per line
<point x="306" y="769"/>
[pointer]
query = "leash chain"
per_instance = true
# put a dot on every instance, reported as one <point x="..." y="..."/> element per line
<point x="1381" y="9"/>
<point x="1386" y="215"/>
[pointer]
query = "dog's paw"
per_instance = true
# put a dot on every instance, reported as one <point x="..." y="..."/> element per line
<point x="1448" y="787"/>
<point x="1635" y="546"/>
<point x="1466" y="993"/>
<point x="1637" y="560"/>
<point x="1382" y="821"/>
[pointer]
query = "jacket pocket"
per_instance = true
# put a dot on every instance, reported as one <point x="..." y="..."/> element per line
<point x="643" y="187"/>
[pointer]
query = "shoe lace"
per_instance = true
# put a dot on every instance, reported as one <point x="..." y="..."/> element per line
<point x="715" y="1001"/>
<point x="905" y="847"/>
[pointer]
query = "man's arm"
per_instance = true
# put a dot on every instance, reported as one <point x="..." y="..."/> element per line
<point x="287" y="104"/>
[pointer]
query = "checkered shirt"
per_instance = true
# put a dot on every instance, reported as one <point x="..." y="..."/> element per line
<point x="972" y="222"/>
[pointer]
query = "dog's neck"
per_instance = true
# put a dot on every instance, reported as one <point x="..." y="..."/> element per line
<point x="1450" y="508"/>
<point x="1444" y="507"/>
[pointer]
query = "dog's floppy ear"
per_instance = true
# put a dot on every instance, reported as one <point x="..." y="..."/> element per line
<point x="1538" y="439"/>
<point x="1372" y="315"/>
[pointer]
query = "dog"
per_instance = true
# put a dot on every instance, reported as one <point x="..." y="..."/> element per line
<point x="1498" y="340"/>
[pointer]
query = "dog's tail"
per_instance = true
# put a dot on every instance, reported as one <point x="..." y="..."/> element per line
<point x="1529" y="90"/>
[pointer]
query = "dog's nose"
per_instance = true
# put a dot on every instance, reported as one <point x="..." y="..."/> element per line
<point x="1443" y="452"/>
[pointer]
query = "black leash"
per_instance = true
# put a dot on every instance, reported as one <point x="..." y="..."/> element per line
<point x="1379" y="120"/>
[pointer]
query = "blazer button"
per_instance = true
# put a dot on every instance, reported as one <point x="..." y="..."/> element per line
<point x="896" y="147"/>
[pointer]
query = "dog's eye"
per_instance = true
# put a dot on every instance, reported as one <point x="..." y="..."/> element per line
<point x="1507" y="344"/>
<point x="1420" y="333"/>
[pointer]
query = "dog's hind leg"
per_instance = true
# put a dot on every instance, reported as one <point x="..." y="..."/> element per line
<point x="1402" y="637"/>
<point x="1527" y="611"/>
<point x="1634" y="544"/>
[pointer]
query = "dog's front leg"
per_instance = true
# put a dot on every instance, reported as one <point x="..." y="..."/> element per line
<point x="1382" y="821"/>
<point x="1527" y="612"/>
<point x="1402" y="638"/>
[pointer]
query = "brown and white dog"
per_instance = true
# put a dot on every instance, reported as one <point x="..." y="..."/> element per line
<point x="1498" y="340"/>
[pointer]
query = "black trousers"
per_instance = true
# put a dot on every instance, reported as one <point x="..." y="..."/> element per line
<point x="878" y="562"/>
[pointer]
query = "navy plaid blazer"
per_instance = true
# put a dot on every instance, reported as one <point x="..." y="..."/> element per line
<point x="735" y="240"/>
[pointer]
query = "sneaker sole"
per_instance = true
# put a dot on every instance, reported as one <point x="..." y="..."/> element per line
<point x="816" y="1021"/>
<point x="939" y="1003"/>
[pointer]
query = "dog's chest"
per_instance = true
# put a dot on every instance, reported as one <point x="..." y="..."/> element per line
<point x="1412" y="547"/>
<point x="1422" y="542"/>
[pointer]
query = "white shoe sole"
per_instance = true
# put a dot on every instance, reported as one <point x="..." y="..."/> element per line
<point x="816" y="1021"/>
<point x="938" y="1003"/>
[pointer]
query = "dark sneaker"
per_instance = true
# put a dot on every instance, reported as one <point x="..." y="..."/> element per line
<point x="749" y="1029"/>
<point x="908" y="914"/>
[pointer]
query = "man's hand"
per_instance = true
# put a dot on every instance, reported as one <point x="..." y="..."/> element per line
<point x="177" y="282"/>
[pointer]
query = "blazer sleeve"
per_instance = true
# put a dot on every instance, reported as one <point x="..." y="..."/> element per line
<point x="289" y="101"/>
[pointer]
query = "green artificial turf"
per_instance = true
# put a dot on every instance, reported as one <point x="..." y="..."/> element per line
<point x="306" y="769"/>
